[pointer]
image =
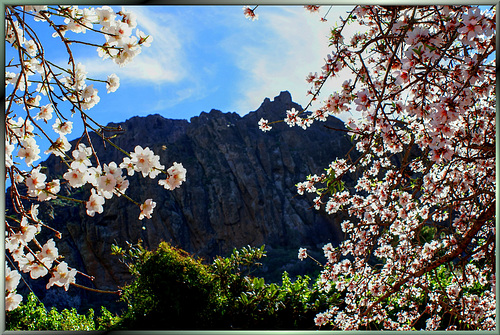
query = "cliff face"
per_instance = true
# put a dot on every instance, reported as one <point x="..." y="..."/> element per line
<point x="240" y="189"/>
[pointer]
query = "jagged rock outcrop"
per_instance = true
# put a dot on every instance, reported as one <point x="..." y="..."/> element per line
<point x="240" y="189"/>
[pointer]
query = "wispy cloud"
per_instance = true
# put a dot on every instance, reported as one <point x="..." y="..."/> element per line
<point x="286" y="44"/>
<point x="163" y="62"/>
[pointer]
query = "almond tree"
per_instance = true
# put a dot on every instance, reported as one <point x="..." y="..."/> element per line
<point x="419" y="247"/>
<point x="41" y="95"/>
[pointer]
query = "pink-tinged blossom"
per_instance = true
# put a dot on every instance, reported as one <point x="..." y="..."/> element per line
<point x="176" y="176"/>
<point x="75" y="177"/>
<point x="362" y="100"/>
<point x="27" y="231"/>
<point x="9" y="148"/>
<point x="250" y="13"/>
<point x="12" y="279"/>
<point x="36" y="181"/>
<point x="21" y="128"/>
<point x="13" y="243"/>
<point x="147" y="209"/>
<point x="34" y="212"/>
<point x="35" y="267"/>
<point x="304" y="123"/>
<point x="302" y="254"/>
<point x="90" y="97"/>
<point x="292" y="117"/>
<point x="63" y="128"/>
<point x="45" y="113"/>
<point x="105" y="16"/>
<point x="121" y="185"/>
<point x="81" y="158"/>
<point x="402" y="77"/>
<point x="59" y="147"/>
<point x="320" y="115"/>
<point x="146" y="162"/>
<point x="433" y="322"/>
<point x="112" y="83"/>
<point x="48" y="193"/>
<point x="12" y="301"/>
<point x="49" y="251"/>
<point x="129" y="18"/>
<point x="92" y="175"/>
<point x="317" y="202"/>
<point x="33" y="102"/>
<point x="311" y="77"/>
<point x="415" y="35"/>
<point x="332" y="206"/>
<point x="120" y="31"/>
<point x="312" y="8"/>
<point x="106" y="185"/>
<point x="321" y="319"/>
<point x="129" y="165"/>
<point x="301" y="187"/>
<point x="471" y="27"/>
<point x="264" y="125"/>
<point x="130" y="49"/>
<point x="145" y="40"/>
<point x="94" y="204"/>
<point x="29" y="151"/>
<point x="113" y="169"/>
<point x="62" y="277"/>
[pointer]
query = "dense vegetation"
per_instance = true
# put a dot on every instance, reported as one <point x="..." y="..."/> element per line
<point x="33" y="315"/>
<point x="174" y="290"/>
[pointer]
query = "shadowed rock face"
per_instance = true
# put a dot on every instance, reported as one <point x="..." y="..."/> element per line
<point x="240" y="189"/>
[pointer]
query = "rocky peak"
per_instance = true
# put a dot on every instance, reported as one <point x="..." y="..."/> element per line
<point x="240" y="189"/>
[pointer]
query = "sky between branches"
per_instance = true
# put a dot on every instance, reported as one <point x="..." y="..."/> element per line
<point x="205" y="57"/>
<point x="202" y="58"/>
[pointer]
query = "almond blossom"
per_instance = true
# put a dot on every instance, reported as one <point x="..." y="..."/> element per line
<point x="423" y="198"/>
<point x="176" y="176"/>
<point x="94" y="204"/>
<point x="264" y="125"/>
<point x="12" y="301"/>
<point x="145" y="161"/>
<point x="63" y="91"/>
<point x="45" y="113"/>
<point x="113" y="83"/>
<point x="63" y="128"/>
<point x="62" y="276"/>
<point x="250" y="13"/>
<point x="147" y="209"/>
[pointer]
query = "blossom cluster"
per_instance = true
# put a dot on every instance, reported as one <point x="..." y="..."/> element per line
<point x="250" y="13"/>
<point x="43" y="90"/>
<point x="424" y="197"/>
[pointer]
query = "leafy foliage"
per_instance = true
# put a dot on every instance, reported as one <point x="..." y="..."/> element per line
<point x="174" y="290"/>
<point x="32" y="315"/>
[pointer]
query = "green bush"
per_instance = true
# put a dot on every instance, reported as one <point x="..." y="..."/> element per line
<point x="173" y="290"/>
<point x="32" y="315"/>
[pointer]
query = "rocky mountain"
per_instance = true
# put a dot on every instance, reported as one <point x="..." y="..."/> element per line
<point x="240" y="190"/>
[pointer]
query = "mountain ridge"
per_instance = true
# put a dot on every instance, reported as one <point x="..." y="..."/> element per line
<point x="240" y="190"/>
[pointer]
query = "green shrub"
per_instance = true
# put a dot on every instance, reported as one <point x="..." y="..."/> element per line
<point x="173" y="290"/>
<point x="32" y="315"/>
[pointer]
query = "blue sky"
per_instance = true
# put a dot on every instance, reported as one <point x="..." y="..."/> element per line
<point x="213" y="57"/>
<point x="201" y="58"/>
<point x="205" y="57"/>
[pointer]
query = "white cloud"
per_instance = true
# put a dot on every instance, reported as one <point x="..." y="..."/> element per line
<point x="275" y="53"/>
<point x="162" y="62"/>
<point x="286" y="45"/>
<point x="192" y="93"/>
